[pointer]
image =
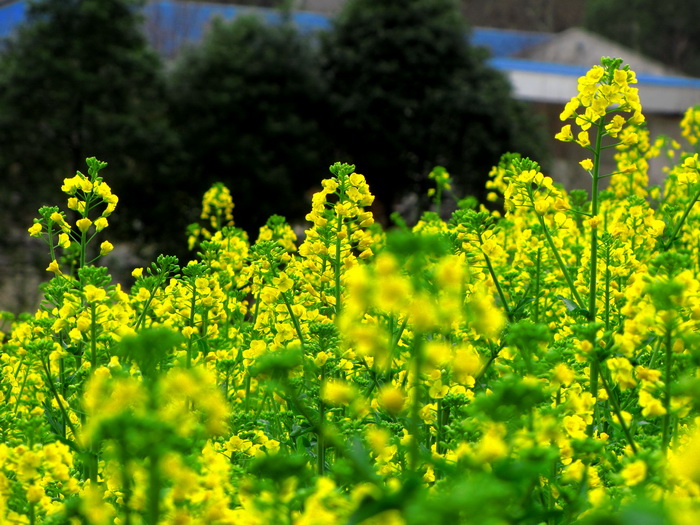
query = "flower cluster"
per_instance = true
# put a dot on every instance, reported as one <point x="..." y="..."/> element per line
<point x="532" y="364"/>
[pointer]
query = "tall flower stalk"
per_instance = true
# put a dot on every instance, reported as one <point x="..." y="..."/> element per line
<point x="605" y="105"/>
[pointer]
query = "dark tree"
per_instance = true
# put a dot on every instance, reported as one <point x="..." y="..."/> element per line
<point x="525" y="15"/>
<point x="246" y="102"/>
<point x="77" y="81"/>
<point x="410" y="93"/>
<point x="667" y="31"/>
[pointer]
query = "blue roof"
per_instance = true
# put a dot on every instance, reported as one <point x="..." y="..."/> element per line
<point x="505" y="43"/>
<point x="178" y="22"/>
<point x="519" y="64"/>
<point x="170" y="24"/>
<point x="11" y="16"/>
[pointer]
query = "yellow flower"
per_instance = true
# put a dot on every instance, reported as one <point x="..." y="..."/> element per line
<point x="35" y="230"/>
<point x="392" y="399"/>
<point x="583" y="139"/>
<point x="106" y="247"/>
<point x="77" y="205"/>
<point x="69" y="186"/>
<point x="283" y="282"/>
<point x="587" y="164"/>
<point x="84" y="224"/>
<point x="634" y="473"/>
<point x="337" y="392"/>
<point x="569" y="111"/>
<point x="565" y="134"/>
<point x="93" y="293"/>
<point x="63" y="240"/>
<point x="100" y="224"/>
<point x="615" y="126"/>
<point x="563" y="374"/>
<point x="575" y="426"/>
<point x="651" y="407"/>
<point x="53" y="267"/>
<point x="542" y="206"/>
<point x="491" y="445"/>
<point x="138" y="272"/>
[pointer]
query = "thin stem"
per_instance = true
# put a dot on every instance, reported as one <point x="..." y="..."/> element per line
<point x="57" y="397"/>
<point x="560" y="263"/>
<point x="592" y="295"/>
<point x="295" y="320"/>
<point x="415" y="421"/>
<point x="93" y="337"/>
<point x="668" y="364"/>
<point x="191" y="324"/>
<point x="618" y="413"/>
<point x="537" y="284"/>
<point x="336" y="266"/>
<point x="492" y="272"/>
<point x="676" y="230"/>
<point x="320" y="442"/>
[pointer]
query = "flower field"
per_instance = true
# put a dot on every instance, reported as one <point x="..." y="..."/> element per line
<point x="533" y="364"/>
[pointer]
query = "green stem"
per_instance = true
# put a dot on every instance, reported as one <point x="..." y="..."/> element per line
<point x="21" y="390"/>
<point x="668" y="364"/>
<point x="57" y="397"/>
<point x="193" y="303"/>
<point x="678" y="227"/>
<point x="142" y="315"/>
<point x="618" y="413"/>
<point x="336" y="267"/>
<point x="154" y="488"/>
<point x="295" y="321"/>
<point x="320" y="443"/>
<point x="52" y="248"/>
<point x="501" y="295"/>
<point x="126" y="482"/>
<point x="83" y="248"/>
<point x="415" y="421"/>
<point x="594" y="231"/>
<point x="93" y="337"/>
<point x="394" y="344"/>
<point x="560" y="263"/>
<point x="537" y="285"/>
<point x="592" y="295"/>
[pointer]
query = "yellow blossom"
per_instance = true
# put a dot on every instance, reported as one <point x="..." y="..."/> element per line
<point x="587" y="164"/>
<point x="83" y="224"/>
<point x="106" y="247"/>
<point x="94" y="294"/>
<point x="337" y="392"/>
<point x="634" y="473"/>
<point x="54" y="267"/>
<point x="35" y="230"/>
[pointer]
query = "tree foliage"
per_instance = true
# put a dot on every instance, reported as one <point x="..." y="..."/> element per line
<point x="246" y="103"/>
<point x="525" y="15"/>
<point x="667" y="31"/>
<point x="79" y="80"/>
<point x="410" y="93"/>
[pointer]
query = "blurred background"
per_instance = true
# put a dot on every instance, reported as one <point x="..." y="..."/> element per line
<point x="265" y="95"/>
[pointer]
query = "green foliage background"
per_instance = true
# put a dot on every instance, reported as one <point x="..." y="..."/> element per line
<point x="394" y="87"/>
<point x="79" y="79"/>
<point x="409" y="93"/>
<point x="246" y="104"/>
<point x="667" y="31"/>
